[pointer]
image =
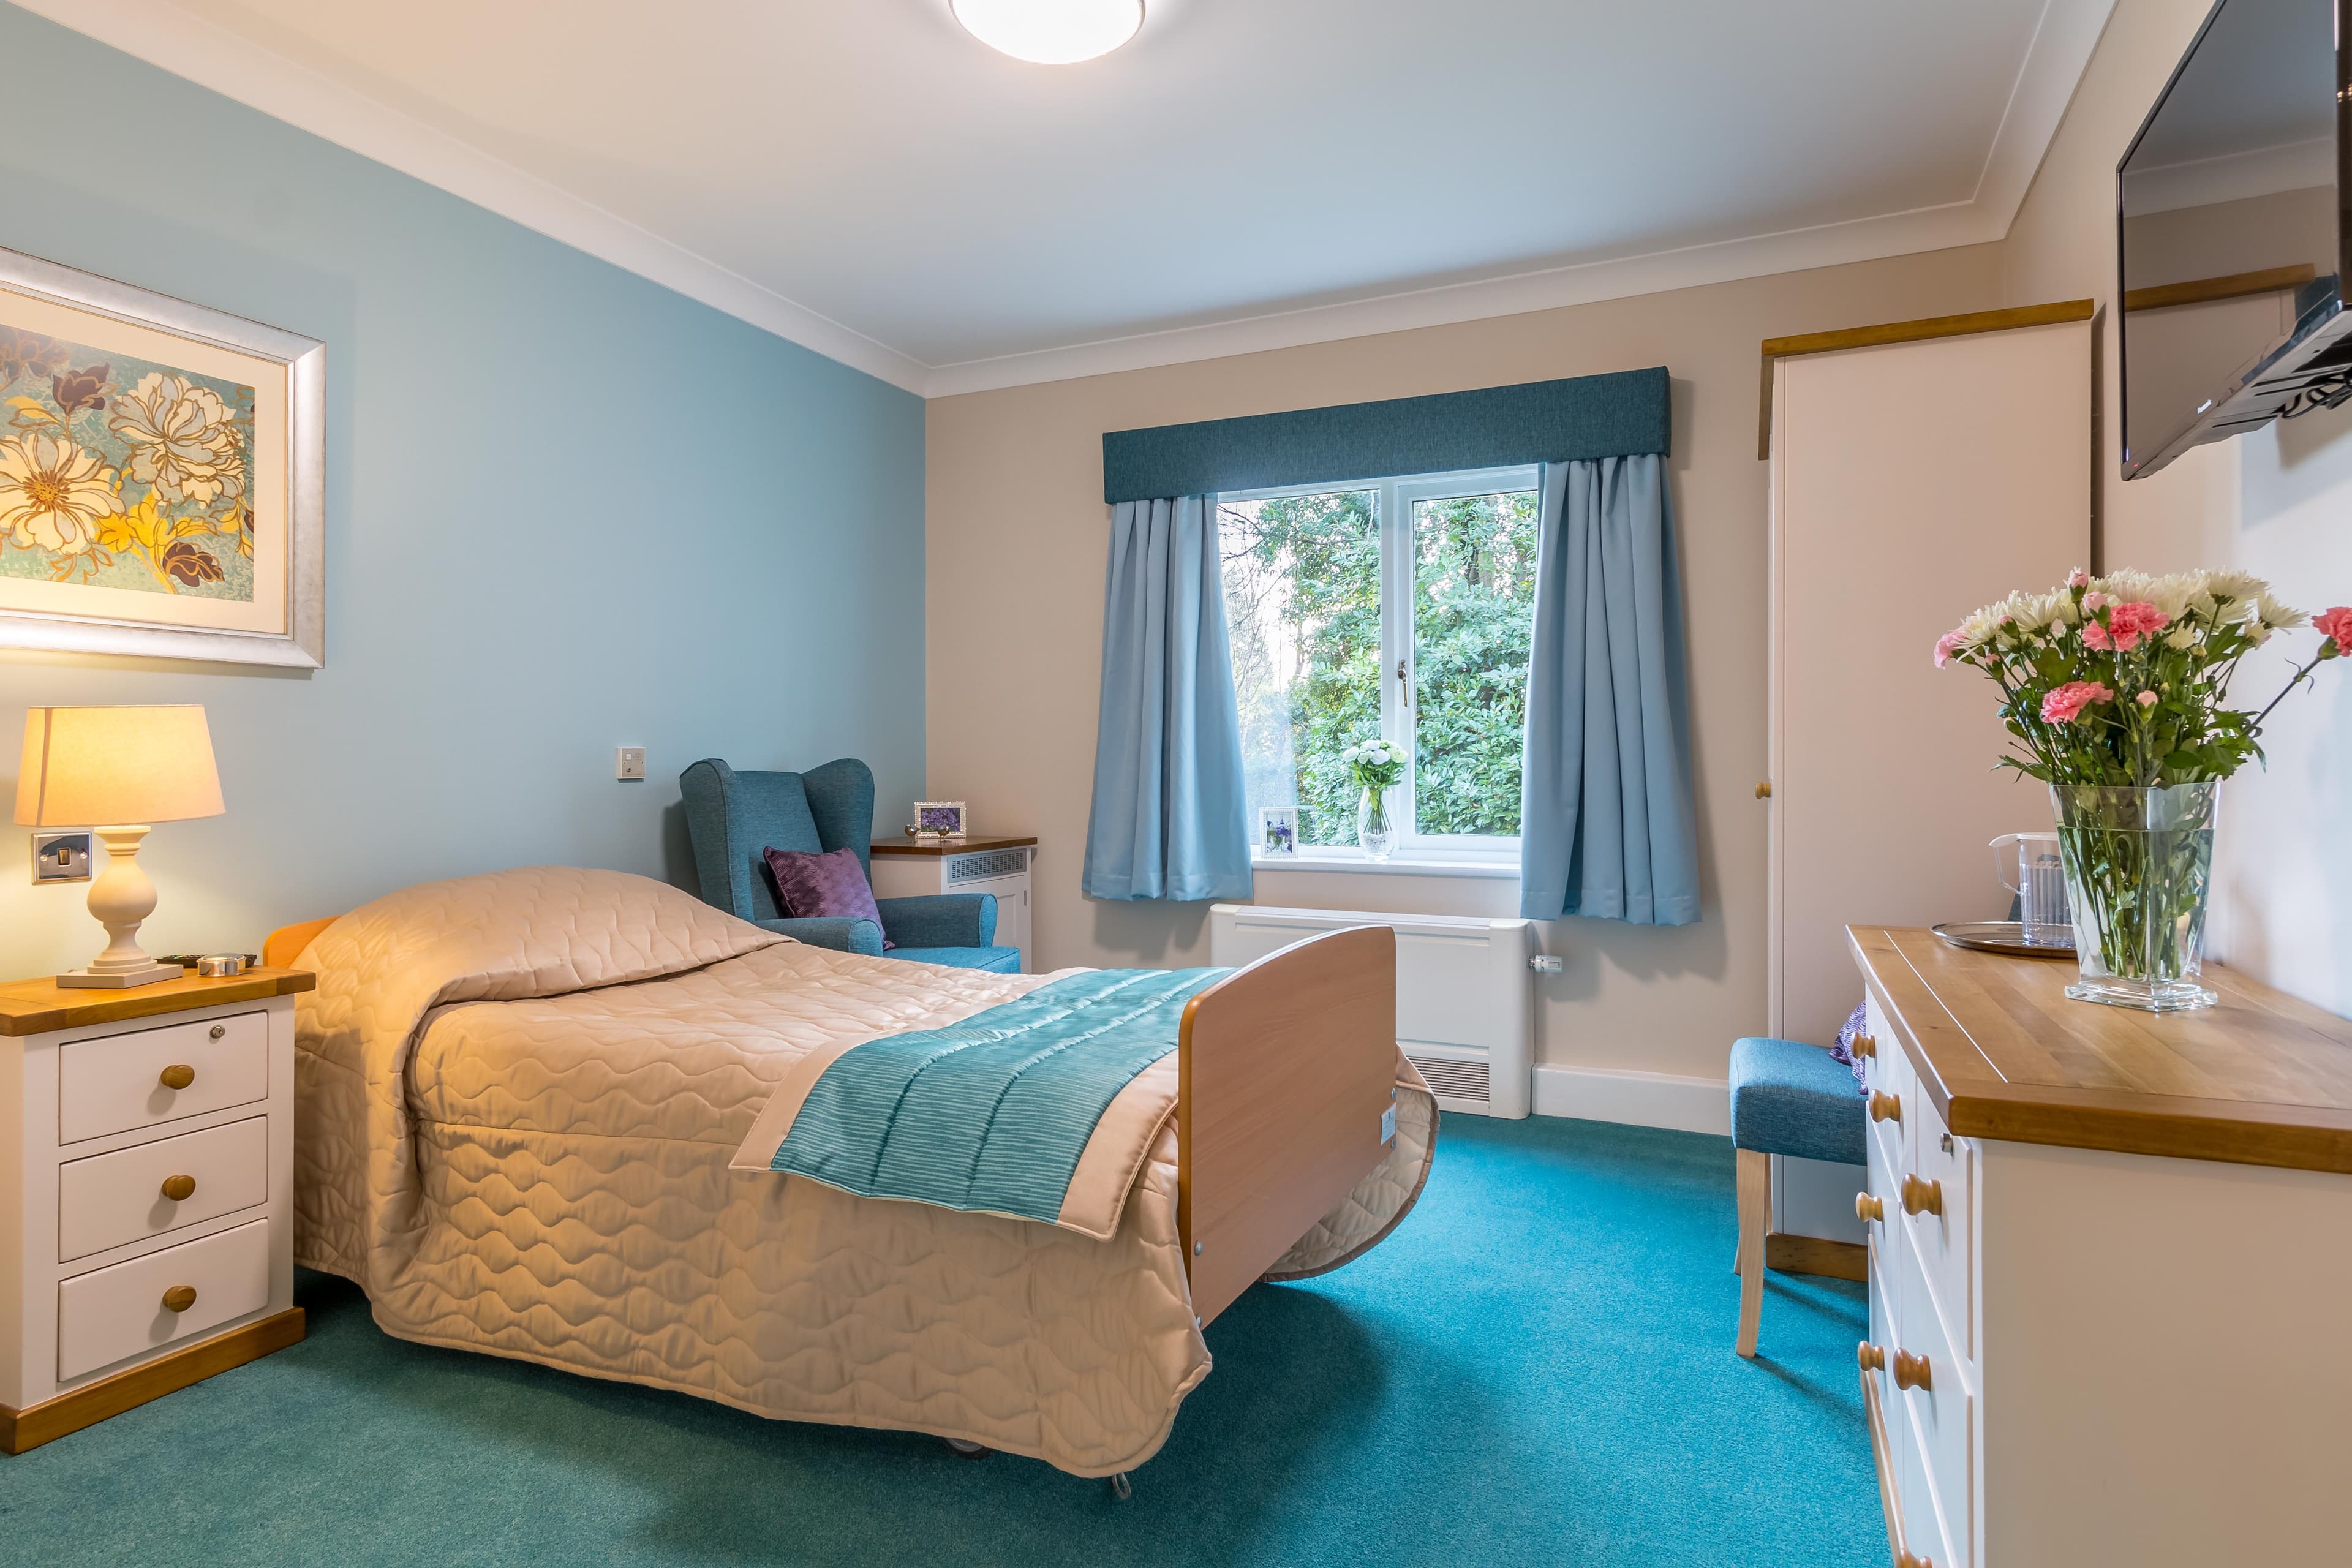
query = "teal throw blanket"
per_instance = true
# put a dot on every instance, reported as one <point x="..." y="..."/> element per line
<point x="992" y="1114"/>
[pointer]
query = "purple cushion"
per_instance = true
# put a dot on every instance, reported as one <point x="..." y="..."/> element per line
<point x="818" y="887"/>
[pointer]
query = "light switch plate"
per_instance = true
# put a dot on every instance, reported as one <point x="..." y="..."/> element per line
<point x="60" y="858"/>
<point x="629" y="763"/>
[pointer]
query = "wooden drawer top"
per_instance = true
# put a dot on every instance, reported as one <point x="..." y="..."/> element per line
<point x="2261" y="1079"/>
<point x="947" y="845"/>
<point x="37" y="1007"/>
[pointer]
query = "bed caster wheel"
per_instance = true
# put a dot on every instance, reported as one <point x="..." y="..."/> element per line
<point x="963" y="1450"/>
<point x="1122" y="1488"/>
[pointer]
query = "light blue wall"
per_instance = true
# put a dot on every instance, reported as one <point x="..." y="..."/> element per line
<point x="566" y="510"/>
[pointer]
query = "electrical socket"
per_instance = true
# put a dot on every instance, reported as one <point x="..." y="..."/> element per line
<point x="629" y="764"/>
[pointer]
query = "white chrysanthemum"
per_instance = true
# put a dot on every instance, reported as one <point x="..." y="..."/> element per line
<point x="2257" y="632"/>
<point x="2238" y="587"/>
<point x="2037" y="612"/>
<point x="2182" y="638"/>
<point x="2274" y="615"/>
<point x="2180" y="594"/>
<point x="2126" y="585"/>
<point x="1979" y="629"/>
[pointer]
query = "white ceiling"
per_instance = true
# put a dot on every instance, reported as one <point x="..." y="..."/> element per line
<point x="864" y="177"/>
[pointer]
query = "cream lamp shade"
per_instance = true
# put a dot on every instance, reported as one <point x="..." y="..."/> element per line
<point x="88" y="766"/>
<point x="118" y="770"/>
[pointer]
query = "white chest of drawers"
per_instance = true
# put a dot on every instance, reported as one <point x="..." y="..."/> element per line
<point x="146" y="1193"/>
<point x="2107" y="1314"/>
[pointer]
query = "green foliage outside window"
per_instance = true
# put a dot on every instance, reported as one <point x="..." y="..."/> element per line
<point x="1473" y="602"/>
<point x="1303" y="604"/>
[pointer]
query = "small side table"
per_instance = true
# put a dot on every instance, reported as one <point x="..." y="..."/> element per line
<point x="146" y="1192"/>
<point x="907" y="867"/>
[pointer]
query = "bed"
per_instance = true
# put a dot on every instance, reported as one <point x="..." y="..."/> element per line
<point x="524" y="1102"/>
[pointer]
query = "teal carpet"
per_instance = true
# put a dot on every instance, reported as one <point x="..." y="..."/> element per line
<point x="1536" y="1369"/>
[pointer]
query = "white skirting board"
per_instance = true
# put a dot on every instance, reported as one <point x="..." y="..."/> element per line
<point x="1637" y="1098"/>
<point x="1808" y="1197"/>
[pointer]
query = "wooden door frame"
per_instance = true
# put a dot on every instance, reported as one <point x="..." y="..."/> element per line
<point x="1777" y="348"/>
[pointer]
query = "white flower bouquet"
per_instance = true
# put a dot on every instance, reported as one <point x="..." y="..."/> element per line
<point x="2113" y="690"/>
<point x="1374" y="765"/>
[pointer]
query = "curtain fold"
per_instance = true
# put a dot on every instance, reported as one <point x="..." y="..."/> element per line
<point x="1605" y="807"/>
<point x="1168" y="819"/>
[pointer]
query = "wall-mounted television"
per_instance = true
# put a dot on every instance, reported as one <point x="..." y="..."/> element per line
<point x="2232" y="232"/>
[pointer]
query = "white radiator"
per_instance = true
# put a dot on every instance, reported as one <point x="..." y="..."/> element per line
<point x="1464" y="993"/>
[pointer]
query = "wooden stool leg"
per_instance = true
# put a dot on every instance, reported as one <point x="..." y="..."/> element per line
<point x="1755" y="1218"/>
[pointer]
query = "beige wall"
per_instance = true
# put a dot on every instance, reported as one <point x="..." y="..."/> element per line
<point x="2278" y="502"/>
<point x="1017" y="537"/>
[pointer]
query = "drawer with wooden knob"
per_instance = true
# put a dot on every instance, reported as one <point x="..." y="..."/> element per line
<point x="1934" y="1388"/>
<point x="1889" y="1084"/>
<point x="120" y="1082"/>
<point x="151" y="1302"/>
<point x="1940" y="1202"/>
<point x="110" y="1200"/>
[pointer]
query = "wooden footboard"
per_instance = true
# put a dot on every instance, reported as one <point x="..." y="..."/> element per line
<point x="1287" y="1069"/>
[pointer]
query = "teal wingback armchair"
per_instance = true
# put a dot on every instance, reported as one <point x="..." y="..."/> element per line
<point x="735" y="818"/>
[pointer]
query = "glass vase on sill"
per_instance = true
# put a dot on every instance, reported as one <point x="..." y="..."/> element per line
<point x="2138" y="865"/>
<point x="1374" y="835"/>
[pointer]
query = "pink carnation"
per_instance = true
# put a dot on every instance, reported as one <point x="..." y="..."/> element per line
<point x="2126" y="625"/>
<point x="2062" y="706"/>
<point x="2078" y="578"/>
<point x="2093" y="599"/>
<point x="2336" y="623"/>
<point x="2145" y="698"/>
<point x="1945" y="646"/>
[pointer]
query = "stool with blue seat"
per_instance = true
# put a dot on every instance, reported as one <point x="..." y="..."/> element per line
<point x="1792" y="1099"/>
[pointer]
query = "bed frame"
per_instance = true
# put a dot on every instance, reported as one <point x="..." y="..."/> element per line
<point x="1286" y="1074"/>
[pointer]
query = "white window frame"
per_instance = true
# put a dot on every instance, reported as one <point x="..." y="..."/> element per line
<point x="1393" y="506"/>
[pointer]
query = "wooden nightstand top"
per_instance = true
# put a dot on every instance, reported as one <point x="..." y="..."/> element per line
<point x="964" y="846"/>
<point x="37" y="1007"/>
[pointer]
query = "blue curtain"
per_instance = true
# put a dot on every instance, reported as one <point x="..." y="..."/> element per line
<point x="1605" y="806"/>
<point x="1169" y="818"/>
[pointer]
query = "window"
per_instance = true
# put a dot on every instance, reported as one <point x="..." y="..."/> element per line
<point x="1398" y="607"/>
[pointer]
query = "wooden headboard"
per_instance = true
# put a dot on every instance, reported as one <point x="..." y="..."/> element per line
<point x="285" y="944"/>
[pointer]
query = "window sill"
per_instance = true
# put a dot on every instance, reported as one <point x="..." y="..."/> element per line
<point x="1396" y="866"/>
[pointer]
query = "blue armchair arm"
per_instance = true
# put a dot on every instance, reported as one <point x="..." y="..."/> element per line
<point x="941" y="920"/>
<point x="841" y="935"/>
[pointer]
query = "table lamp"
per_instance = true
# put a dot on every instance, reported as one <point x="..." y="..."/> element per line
<point x="83" y="767"/>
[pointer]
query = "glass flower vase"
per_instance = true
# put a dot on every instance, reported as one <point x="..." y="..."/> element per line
<point x="2138" y="863"/>
<point x="1374" y="835"/>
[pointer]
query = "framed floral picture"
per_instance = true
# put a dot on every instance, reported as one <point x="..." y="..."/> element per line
<point x="939" y="819"/>
<point x="1277" y="830"/>
<point x="160" y="475"/>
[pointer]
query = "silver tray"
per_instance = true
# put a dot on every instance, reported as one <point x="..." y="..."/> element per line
<point x="2001" y="936"/>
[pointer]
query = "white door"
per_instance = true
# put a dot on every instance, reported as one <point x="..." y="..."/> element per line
<point x="1910" y="483"/>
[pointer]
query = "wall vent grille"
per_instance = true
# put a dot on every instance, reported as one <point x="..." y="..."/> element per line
<point x="994" y="863"/>
<point x="1453" y="1077"/>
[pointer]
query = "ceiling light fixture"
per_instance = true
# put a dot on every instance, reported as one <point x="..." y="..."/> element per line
<point x="1050" y="32"/>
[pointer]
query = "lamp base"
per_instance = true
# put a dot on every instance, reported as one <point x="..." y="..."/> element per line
<point x="118" y="980"/>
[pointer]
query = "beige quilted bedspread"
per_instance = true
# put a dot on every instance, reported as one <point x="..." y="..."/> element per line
<point x="518" y="1096"/>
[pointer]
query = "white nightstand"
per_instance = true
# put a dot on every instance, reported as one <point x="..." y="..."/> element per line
<point x="905" y="868"/>
<point x="146" y="1192"/>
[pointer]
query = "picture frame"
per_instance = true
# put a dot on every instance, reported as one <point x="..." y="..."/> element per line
<point x="939" y="819"/>
<point x="162" y="474"/>
<point x="1278" y="831"/>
